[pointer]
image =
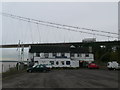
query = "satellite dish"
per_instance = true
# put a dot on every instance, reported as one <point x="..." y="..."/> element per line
<point x="72" y="46"/>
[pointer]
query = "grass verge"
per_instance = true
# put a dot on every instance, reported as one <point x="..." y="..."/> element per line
<point x="12" y="71"/>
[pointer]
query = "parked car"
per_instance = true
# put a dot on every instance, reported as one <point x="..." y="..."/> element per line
<point x="49" y="66"/>
<point x="38" y="68"/>
<point x="93" y="65"/>
<point x="114" y="65"/>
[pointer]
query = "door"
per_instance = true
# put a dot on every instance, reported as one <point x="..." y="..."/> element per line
<point x="81" y="64"/>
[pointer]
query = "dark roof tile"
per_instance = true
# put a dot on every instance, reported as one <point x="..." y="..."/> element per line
<point x="57" y="49"/>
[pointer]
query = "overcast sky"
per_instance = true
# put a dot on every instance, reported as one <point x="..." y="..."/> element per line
<point x="95" y="15"/>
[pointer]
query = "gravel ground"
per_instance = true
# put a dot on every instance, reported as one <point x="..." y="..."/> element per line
<point x="80" y="78"/>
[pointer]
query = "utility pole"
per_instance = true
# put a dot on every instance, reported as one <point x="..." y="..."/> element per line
<point x="22" y="56"/>
<point x="22" y="53"/>
<point x="18" y="55"/>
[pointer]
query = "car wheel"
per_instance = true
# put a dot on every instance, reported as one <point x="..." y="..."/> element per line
<point x="109" y="68"/>
<point x="44" y="70"/>
<point x="30" y="71"/>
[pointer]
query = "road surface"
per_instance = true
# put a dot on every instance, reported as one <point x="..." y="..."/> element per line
<point x="80" y="78"/>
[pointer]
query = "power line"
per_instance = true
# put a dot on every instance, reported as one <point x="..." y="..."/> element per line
<point x="70" y="29"/>
<point x="93" y="30"/>
<point x="30" y="28"/>
<point x="59" y="26"/>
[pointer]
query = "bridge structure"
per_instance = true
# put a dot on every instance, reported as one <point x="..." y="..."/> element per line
<point x="66" y="28"/>
<point x="93" y="44"/>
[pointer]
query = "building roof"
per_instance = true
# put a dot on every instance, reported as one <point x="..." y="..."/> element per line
<point x="57" y="49"/>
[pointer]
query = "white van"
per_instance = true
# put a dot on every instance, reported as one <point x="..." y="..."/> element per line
<point x="114" y="65"/>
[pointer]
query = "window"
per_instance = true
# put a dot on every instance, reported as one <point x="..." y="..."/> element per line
<point x="79" y="55"/>
<point x="37" y="66"/>
<point x="36" y="61"/>
<point x="72" y="54"/>
<point x="41" y="66"/>
<point x="37" y="54"/>
<point x="46" y="55"/>
<point x="63" y="54"/>
<point x="86" y="55"/>
<point x="52" y="62"/>
<point x="67" y="62"/>
<point x="32" y="59"/>
<point x="102" y="46"/>
<point x="62" y="62"/>
<point x="57" y="62"/>
<point x="54" y="54"/>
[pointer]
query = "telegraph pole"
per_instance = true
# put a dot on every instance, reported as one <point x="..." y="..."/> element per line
<point x="18" y="55"/>
<point x="22" y="53"/>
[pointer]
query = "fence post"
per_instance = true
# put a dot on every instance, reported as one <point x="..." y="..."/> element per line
<point x="9" y="66"/>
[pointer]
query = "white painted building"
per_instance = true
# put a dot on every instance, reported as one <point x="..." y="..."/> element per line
<point x="59" y="55"/>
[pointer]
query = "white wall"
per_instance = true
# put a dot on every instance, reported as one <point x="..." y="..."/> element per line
<point x="50" y="55"/>
<point x="30" y="56"/>
<point x="42" y="55"/>
<point x="68" y="55"/>
<point x="73" y="63"/>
